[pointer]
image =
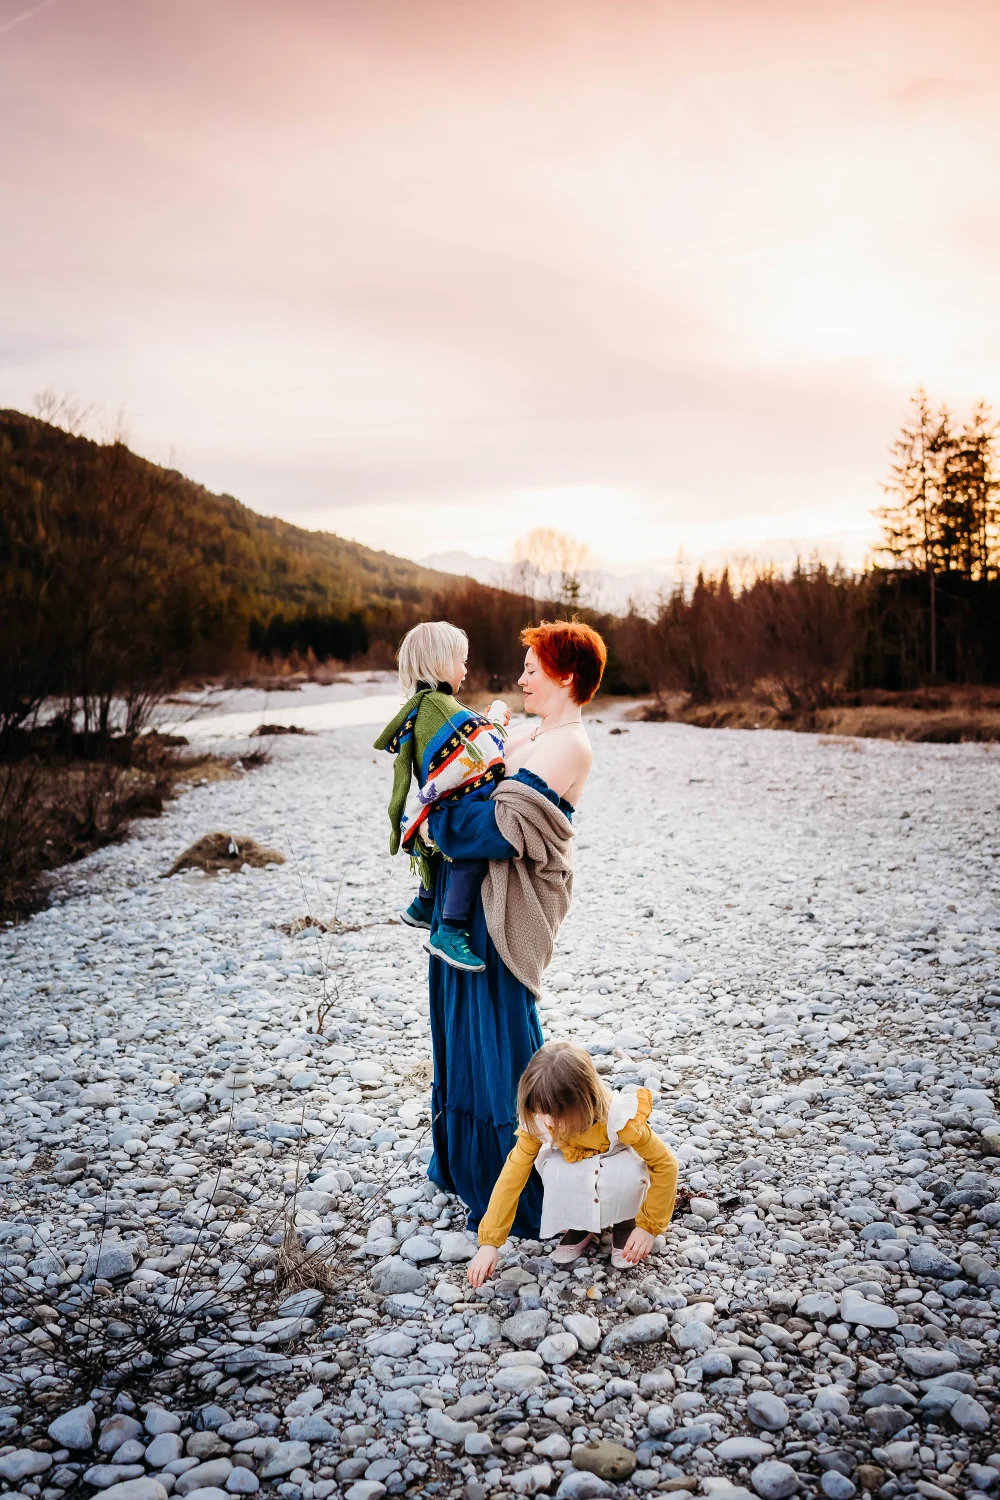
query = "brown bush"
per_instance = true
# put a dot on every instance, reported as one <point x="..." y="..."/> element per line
<point x="225" y="851"/>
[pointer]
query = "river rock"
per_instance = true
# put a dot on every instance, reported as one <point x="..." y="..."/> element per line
<point x="74" y="1429"/>
<point x="773" y="1480"/>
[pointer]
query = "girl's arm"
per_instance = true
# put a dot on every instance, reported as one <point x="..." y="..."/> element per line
<point x="656" y="1211"/>
<point x="499" y="1216"/>
<point x="467" y="829"/>
<point x="494" y="1227"/>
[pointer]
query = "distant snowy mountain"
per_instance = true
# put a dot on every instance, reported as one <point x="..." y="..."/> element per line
<point x="600" y="588"/>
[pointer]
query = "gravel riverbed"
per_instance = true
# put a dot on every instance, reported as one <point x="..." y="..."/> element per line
<point x="224" y="1271"/>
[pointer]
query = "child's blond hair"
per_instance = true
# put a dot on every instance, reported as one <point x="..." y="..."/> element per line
<point x="427" y="654"/>
<point x="561" y="1081"/>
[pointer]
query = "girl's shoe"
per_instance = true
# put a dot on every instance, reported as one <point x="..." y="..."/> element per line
<point x="619" y="1239"/>
<point x="418" y="913"/>
<point x="452" y="946"/>
<point x="572" y="1245"/>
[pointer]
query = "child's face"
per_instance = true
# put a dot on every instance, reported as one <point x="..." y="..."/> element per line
<point x="459" y="667"/>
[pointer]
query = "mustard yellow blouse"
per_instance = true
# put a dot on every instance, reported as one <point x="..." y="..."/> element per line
<point x="654" y="1216"/>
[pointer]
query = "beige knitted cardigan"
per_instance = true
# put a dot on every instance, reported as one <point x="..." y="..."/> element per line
<point x="526" y="898"/>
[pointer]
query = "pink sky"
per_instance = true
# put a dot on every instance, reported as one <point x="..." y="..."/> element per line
<point x="431" y="272"/>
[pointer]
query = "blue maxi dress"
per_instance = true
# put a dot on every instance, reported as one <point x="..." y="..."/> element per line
<point x="484" y="1030"/>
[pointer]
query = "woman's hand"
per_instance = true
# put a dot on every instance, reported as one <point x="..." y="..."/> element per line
<point x="637" y="1246"/>
<point x="484" y="1262"/>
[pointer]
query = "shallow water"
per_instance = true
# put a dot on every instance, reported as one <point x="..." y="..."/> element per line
<point x="375" y="708"/>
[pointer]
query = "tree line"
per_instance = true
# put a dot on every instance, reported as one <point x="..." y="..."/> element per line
<point x="118" y="579"/>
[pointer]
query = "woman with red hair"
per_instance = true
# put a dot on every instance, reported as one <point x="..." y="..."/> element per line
<point x="484" y="1026"/>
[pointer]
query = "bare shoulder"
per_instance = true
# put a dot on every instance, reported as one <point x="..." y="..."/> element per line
<point x="563" y="761"/>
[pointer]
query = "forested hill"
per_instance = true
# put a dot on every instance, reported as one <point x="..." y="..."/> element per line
<point x="59" y="491"/>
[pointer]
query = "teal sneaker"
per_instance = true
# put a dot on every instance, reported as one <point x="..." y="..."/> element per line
<point x="452" y="945"/>
<point x="418" y="913"/>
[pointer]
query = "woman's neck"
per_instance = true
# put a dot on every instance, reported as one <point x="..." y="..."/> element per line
<point x="556" y="718"/>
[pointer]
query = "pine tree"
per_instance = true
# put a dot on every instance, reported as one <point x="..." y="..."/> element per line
<point x="911" y="526"/>
<point x="968" y="508"/>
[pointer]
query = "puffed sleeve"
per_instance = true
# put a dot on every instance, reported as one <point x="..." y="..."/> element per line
<point x="656" y="1211"/>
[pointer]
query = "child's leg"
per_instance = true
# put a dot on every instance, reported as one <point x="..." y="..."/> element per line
<point x="450" y="941"/>
<point x="464" y="880"/>
<point x="420" y="911"/>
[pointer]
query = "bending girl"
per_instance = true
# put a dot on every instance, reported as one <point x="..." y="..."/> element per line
<point x="601" y="1165"/>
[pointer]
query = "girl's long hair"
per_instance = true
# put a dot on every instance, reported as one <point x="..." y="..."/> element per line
<point x="561" y="1081"/>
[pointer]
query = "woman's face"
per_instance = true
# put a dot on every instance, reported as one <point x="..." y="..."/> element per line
<point x="542" y="693"/>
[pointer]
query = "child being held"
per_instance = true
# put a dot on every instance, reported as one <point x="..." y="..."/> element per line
<point x="451" y="752"/>
<point x="601" y="1166"/>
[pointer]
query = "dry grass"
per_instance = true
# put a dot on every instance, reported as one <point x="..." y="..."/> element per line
<point x="264" y="730"/>
<point x="421" y="1073"/>
<point x="942" y="718"/>
<point x="297" y="1269"/>
<point x="225" y="851"/>
<point x="56" y="809"/>
<point x="303" y="924"/>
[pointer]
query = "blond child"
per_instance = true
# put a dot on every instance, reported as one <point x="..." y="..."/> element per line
<point x="601" y="1165"/>
<point x="443" y="751"/>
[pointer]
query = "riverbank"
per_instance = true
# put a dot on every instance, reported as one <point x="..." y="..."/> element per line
<point x="215" y="1102"/>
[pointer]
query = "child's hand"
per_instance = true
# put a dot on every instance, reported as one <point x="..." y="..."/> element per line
<point x="499" y="712"/>
<point x="483" y="1264"/>
<point x="638" y="1246"/>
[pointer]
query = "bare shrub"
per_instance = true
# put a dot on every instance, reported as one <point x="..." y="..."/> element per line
<point x="225" y="851"/>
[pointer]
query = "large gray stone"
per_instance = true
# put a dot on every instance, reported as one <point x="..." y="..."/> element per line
<point x="647" y="1328"/>
<point x="526" y="1328"/>
<point x="821" y="1305"/>
<point x="456" y="1246"/>
<point x="283" y="1459"/>
<point x="926" y="1260"/>
<point x="103" y="1476"/>
<point x="774" y="1480"/>
<point x="146" y="1488"/>
<point x="74" y="1429"/>
<point x="395" y="1275"/>
<point x="558" y="1348"/>
<point x="117" y="1430"/>
<point x="304" y="1304"/>
<point x="215" y="1471"/>
<point x="929" y="1362"/>
<point x="420" y="1247"/>
<point x="576" y="1485"/>
<point x="584" y="1328"/>
<point x="485" y="1329"/>
<point x="446" y="1429"/>
<point x="164" y="1449"/>
<point x="837" y="1486"/>
<point x="767" y="1410"/>
<point x="970" y="1415"/>
<point x="23" y="1463"/>
<point x="857" y="1309"/>
<point x="110" y="1262"/>
<point x="743" y="1450"/>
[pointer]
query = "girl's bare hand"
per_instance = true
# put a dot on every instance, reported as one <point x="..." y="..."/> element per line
<point x="638" y="1246"/>
<point x="483" y="1264"/>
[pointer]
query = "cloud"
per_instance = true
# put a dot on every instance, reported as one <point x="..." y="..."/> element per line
<point x="363" y="263"/>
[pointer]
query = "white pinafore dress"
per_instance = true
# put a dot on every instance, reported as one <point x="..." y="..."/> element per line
<point x="599" y="1191"/>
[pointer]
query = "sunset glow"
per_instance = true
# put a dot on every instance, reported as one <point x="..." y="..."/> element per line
<point x="429" y="274"/>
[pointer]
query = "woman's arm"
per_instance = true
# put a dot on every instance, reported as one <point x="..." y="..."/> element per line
<point x="467" y="829"/>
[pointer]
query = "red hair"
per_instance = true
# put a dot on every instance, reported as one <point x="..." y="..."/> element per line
<point x="568" y="648"/>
